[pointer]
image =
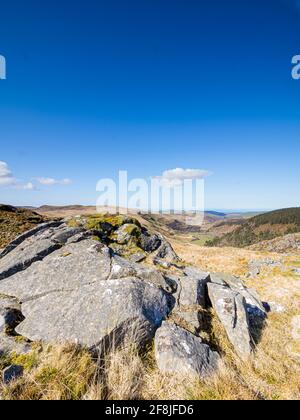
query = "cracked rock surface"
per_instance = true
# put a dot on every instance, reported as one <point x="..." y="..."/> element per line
<point x="64" y="269"/>
<point x="89" y="313"/>
<point x="179" y="351"/>
<point x="33" y="246"/>
<point x="230" y="307"/>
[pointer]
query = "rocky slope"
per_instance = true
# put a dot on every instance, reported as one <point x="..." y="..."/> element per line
<point x="285" y="244"/>
<point x="101" y="280"/>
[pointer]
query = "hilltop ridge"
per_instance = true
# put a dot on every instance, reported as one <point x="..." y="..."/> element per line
<point x="263" y="227"/>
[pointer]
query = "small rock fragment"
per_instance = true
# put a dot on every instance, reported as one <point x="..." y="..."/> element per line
<point x="12" y="373"/>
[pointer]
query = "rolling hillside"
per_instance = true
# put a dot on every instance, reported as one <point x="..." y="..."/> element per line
<point x="14" y="221"/>
<point x="260" y="228"/>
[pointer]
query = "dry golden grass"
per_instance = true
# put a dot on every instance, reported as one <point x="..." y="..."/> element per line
<point x="69" y="373"/>
<point x="273" y="373"/>
<point x="52" y="373"/>
<point x="227" y="260"/>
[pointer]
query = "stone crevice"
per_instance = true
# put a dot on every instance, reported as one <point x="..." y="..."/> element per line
<point x="23" y="266"/>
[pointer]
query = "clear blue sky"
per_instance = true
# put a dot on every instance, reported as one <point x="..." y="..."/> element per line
<point x="96" y="86"/>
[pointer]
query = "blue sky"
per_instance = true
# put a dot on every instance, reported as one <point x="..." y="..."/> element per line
<point x="94" y="87"/>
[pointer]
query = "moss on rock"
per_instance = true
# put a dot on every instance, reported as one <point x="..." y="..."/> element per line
<point x="127" y="250"/>
<point x="110" y="228"/>
<point x="128" y="234"/>
<point x="27" y="361"/>
<point x="100" y="221"/>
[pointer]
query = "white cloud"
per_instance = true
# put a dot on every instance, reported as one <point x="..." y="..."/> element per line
<point x="6" y="176"/>
<point x="27" y="187"/>
<point x="7" y="179"/>
<point x="175" y="177"/>
<point x="53" y="181"/>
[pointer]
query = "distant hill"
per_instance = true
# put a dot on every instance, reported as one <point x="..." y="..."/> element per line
<point x="14" y="221"/>
<point x="215" y="213"/>
<point x="46" y="208"/>
<point x="260" y="228"/>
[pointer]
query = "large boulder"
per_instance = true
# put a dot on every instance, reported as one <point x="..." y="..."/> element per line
<point x="256" y="266"/>
<point x="72" y="266"/>
<point x="91" y="314"/>
<point x="60" y="283"/>
<point x="179" y="351"/>
<point x="231" y="309"/>
<point x="166" y="251"/>
<point x="149" y="243"/>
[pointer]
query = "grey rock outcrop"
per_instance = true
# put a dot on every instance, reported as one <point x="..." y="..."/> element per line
<point x="63" y="284"/>
<point x="296" y="271"/>
<point x="149" y="243"/>
<point x="178" y="351"/>
<point x="92" y="313"/>
<point x="254" y="270"/>
<point x="283" y="244"/>
<point x="161" y="263"/>
<point x="231" y="309"/>
<point x="137" y="257"/>
<point x="10" y="317"/>
<point x="254" y="305"/>
<point x="12" y="263"/>
<point x="190" y="297"/>
<point x="33" y="247"/>
<point x="65" y="269"/>
<point x="166" y="251"/>
<point x="69" y="287"/>
<point x="256" y="266"/>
